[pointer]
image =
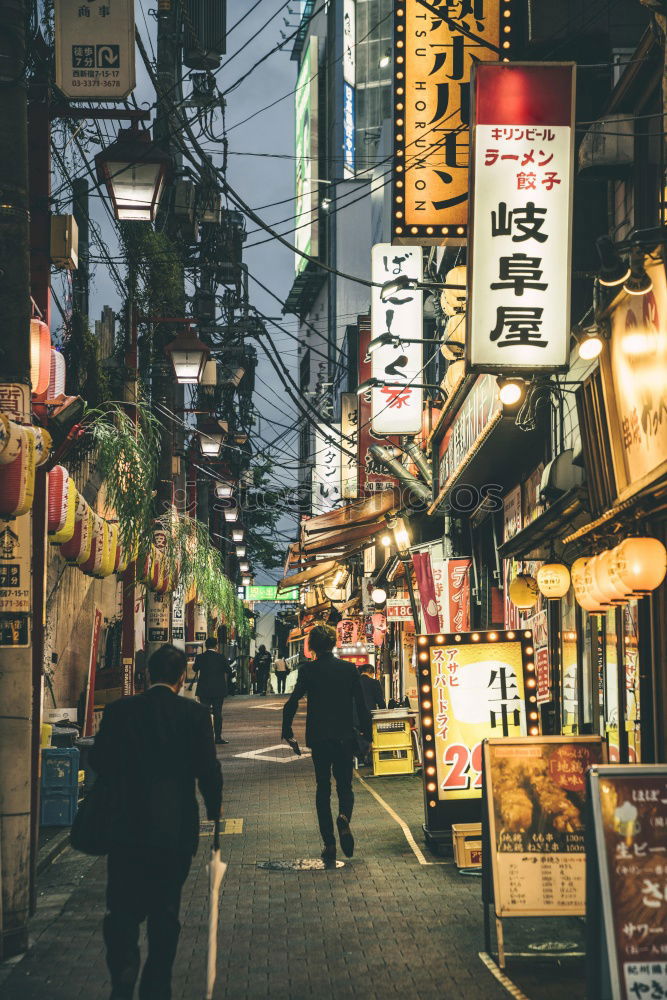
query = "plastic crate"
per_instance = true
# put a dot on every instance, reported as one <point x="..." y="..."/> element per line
<point x="58" y="808"/>
<point x="467" y="840"/>
<point x="391" y="733"/>
<point x="60" y="768"/>
<point x="393" y="761"/>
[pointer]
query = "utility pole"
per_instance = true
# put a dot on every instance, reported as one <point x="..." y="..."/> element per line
<point x="15" y="309"/>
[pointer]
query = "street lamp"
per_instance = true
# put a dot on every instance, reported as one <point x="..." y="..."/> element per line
<point x="244" y="566"/>
<point x="401" y="537"/>
<point x="240" y="551"/>
<point x="134" y="171"/>
<point x="223" y="491"/>
<point x="211" y="438"/>
<point x="231" y="514"/>
<point x="188" y="356"/>
<point x="237" y="534"/>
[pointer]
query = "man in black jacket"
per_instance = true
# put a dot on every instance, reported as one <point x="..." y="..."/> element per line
<point x="150" y="749"/>
<point x="263" y="668"/>
<point x="213" y="671"/>
<point x="373" y="694"/>
<point x="332" y="687"/>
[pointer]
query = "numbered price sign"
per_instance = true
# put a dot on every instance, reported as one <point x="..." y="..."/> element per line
<point x="472" y="686"/>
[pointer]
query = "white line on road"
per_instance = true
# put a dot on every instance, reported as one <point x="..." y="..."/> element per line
<point x="264" y="754"/>
<point x="504" y="980"/>
<point x="419" y="854"/>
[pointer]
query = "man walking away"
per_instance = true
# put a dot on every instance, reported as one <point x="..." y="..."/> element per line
<point x="332" y="687"/>
<point x="373" y="694"/>
<point x="150" y="749"/>
<point x="282" y="671"/>
<point x="263" y="668"/>
<point x="213" y="673"/>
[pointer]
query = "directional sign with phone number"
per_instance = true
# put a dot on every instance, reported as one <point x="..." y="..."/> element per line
<point x="95" y="48"/>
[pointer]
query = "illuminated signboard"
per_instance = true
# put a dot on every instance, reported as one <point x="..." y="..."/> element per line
<point x="349" y="83"/>
<point x="326" y="480"/>
<point x="434" y="54"/>
<point x="472" y="686"/>
<point x="269" y="592"/>
<point x="306" y="106"/>
<point x="396" y="406"/>
<point x="521" y="218"/>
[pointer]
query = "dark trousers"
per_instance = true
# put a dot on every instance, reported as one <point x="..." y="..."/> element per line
<point x="281" y="679"/>
<point x="143" y="885"/>
<point x="336" y="756"/>
<point x="215" y="707"/>
<point x="262" y="679"/>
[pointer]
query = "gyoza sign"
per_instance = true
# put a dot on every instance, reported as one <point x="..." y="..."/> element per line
<point x="522" y="164"/>
<point x="396" y="406"/>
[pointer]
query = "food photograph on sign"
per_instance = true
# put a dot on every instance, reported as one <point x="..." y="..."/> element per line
<point x="472" y="686"/>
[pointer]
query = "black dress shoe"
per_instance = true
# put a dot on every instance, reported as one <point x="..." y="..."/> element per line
<point x="345" y="835"/>
<point x="329" y="852"/>
<point x="220" y="742"/>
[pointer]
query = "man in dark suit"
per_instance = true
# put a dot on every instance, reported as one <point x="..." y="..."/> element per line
<point x="151" y="748"/>
<point x="332" y="687"/>
<point x="213" y="672"/>
<point x="373" y="694"/>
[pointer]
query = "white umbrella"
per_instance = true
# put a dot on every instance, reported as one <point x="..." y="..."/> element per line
<point x="216" y="872"/>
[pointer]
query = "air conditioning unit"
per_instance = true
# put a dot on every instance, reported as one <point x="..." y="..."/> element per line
<point x="608" y="148"/>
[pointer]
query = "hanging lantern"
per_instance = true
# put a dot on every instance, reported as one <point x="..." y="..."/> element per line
<point x="582" y="581"/>
<point x="553" y="580"/>
<point x="99" y="535"/>
<point x="188" y="356"/>
<point x="453" y="375"/>
<point x="609" y="586"/>
<point x="524" y="591"/>
<point x="109" y="550"/>
<point x="453" y="300"/>
<point x="641" y="563"/>
<point x="10" y="440"/>
<point x="122" y="557"/>
<point x="134" y="171"/>
<point x="61" y="502"/>
<point x="453" y="344"/>
<point x="77" y="550"/>
<point x="57" y="375"/>
<point x="40" y="357"/>
<point x="43" y="444"/>
<point x="17" y="479"/>
<point x="577" y="571"/>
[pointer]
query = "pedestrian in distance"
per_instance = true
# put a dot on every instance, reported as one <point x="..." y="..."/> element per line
<point x="332" y="687"/>
<point x="150" y="750"/>
<point x="282" y="670"/>
<point x="374" y="698"/>
<point x="263" y="668"/>
<point x="214" y="675"/>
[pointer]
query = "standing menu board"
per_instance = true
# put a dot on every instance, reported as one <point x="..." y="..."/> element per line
<point x="535" y="792"/>
<point x="627" y="882"/>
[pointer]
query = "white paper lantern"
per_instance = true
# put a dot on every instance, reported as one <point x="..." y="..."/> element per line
<point x="454" y="300"/>
<point x="553" y="580"/>
<point x="609" y="585"/>
<point x="640" y="563"/>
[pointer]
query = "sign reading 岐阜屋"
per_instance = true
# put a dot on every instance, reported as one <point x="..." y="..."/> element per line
<point x="521" y="217"/>
<point x="436" y="47"/>
<point x="95" y="49"/>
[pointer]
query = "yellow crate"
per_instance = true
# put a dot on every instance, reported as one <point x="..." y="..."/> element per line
<point x="46" y="734"/>
<point x="82" y="777"/>
<point x="467" y="839"/>
<point x="396" y="760"/>
<point x="391" y="733"/>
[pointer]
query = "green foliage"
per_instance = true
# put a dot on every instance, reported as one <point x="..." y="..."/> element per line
<point x="263" y="513"/>
<point x="155" y="259"/>
<point x="85" y="375"/>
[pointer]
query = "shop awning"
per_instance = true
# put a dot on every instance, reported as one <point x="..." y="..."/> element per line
<point x="316" y="572"/>
<point x="565" y="515"/>
<point x="348" y="527"/>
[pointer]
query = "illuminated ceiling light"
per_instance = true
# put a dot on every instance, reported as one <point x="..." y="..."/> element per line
<point x="240" y="551"/>
<point x="134" y="171"/>
<point x="188" y="356"/>
<point x="510" y="390"/>
<point x="385" y="59"/>
<point x="591" y="343"/>
<point x="613" y="269"/>
<point x="385" y="540"/>
<point x="378" y="595"/>
<point x="639" y="282"/>
<point x="223" y="491"/>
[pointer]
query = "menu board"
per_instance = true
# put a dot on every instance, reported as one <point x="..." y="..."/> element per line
<point x="628" y="879"/>
<point x="533" y="823"/>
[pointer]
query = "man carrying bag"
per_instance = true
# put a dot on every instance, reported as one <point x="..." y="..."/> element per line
<point x="149" y="752"/>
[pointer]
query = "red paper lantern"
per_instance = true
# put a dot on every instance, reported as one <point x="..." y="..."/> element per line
<point x="61" y="505"/>
<point x="93" y="563"/>
<point x="17" y="478"/>
<point x="40" y="357"/>
<point x="77" y="550"/>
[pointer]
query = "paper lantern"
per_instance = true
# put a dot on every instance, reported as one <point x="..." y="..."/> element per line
<point x="17" y="478"/>
<point x="43" y="444"/>
<point x="453" y="300"/>
<point x="453" y="345"/>
<point x="608" y="584"/>
<point x="77" y="550"/>
<point x="553" y="580"/>
<point x="109" y="549"/>
<point x="40" y="357"/>
<point x="582" y="577"/>
<point x="57" y="375"/>
<point x="10" y="440"/>
<point x="61" y="494"/>
<point x="524" y="592"/>
<point x="640" y="563"/>
<point x="453" y="375"/>
<point x="94" y="561"/>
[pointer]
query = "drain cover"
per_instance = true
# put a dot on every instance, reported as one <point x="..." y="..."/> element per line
<point x="554" y="946"/>
<point x="300" y="865"/>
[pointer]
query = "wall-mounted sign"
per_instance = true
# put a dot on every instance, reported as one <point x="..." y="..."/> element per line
<point x="372" y="475"/>
<point x="349" y="421"/>
<point x="178" y="617"/>
<point x="399" y="609"/>
<point x="269" y="592"/>
<point x="396" y="406"/>
<point x="349" y="84"/>
<point x="539" y="625"/>
<point x="469" y="427"/>
<point x="452" y="587"/>
<point x="95" y="49"/>
<point x="306" y="237"/>
<point x="326" y="480"/>
<point x="158" y="616"/>
<point x="15" y="581"/>
<point x="200" y="622"/>
<point x="521" y="217"/>
<point x="432" y="64"/>
<point x="535" y="791"/>
<point x="634" y="373"/>
<point x="626" y="905"/>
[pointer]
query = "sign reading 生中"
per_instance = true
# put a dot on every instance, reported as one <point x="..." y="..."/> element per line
<point x="535" y="791"/>
<point x="95" y="49"/>
<point x="435" y="52"/>
<point x="349" y="83"/>
<point x="396" y="405"/>
<point x="326" y="480"/>
<point x="306" y="238"/>
<point x="522" y="169"/>
<point x="626" y="906"/>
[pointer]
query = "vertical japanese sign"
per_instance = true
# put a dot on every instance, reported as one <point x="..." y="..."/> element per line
<point x="522" y="173"/>
<point x="349" y="83"/>
<point x="158" y="614"/>
<point x="539" y="624"/>
<point x="349" y="413"/>
<point x="372" y="474"/>
<point x="95" y="49"/>
<point x="473" y="685"/>
<point x="178" y="617"/>
<point x="435" y="51"/>
<point x="15" y="560"/>
<point x="306" y="107"/>
<point x="452" y="587"/>
<point x="201" y="622"/>
<point x="326" y="470"/>
<point x="627" y="900"/>
<point x="396" y="406"/>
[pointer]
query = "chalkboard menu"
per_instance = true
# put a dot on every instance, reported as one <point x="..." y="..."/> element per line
<point x="627" y="882"/>
<point x="533" y="827"/>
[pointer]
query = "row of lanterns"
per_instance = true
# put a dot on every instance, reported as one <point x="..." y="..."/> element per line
<point x="634" y="568"/>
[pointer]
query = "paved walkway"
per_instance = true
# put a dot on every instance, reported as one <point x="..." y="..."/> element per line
<point x="383" y="925"/>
